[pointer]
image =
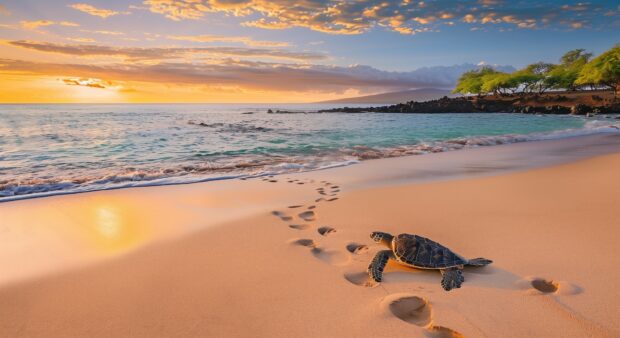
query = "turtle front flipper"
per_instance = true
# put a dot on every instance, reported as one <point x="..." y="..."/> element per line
<point x="452" y="278"/>
<point x="375" y="269"/>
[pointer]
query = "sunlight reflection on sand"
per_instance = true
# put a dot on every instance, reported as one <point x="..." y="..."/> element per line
<point x="115" y="229"/>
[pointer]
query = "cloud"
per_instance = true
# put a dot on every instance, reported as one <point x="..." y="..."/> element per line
<point x="42" y="23"/>
<point x="94" y="11"/>
<point x="6" y="26"/>
<point x="254" y="75"/>
<point x="68" y="24"/>
<point x="406" y="17"/>
<point x="104" y="32"/>
<point x="234" y="39"/>
<point x="87" y="82"/>
<point x="83" y="40"/>
<point x="144" y="54"/>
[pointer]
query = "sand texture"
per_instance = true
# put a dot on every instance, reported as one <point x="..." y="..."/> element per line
<point x="292" y="261"/>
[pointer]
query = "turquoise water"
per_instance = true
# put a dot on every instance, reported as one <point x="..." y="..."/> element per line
<point x="50" y="149"/>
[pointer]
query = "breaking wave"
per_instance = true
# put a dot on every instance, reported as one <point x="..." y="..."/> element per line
<point x="237" y="166"/>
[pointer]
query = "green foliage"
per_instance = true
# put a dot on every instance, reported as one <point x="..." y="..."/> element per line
<point x="471" y="82"/>
<point x="603" y="70"/>
<point x="574" y="70"/>
<point x="526" y="79"/>
<point x="497" y="82"/>
<point x="575" y="56"/>
<point x="567" y="72"/>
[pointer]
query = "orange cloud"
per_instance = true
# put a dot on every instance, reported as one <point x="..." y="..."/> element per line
<point x="42" y="23"/>
<point x="160" y="53"/>
<point x="94" y="11"/>
<point x="104" y="32"/>
<point x="250" y="75"/>
<point x="356" y="17"/>
<point x="87" y="82"/>
<point x="83" y="40"/>
<point x="240" y="39"/>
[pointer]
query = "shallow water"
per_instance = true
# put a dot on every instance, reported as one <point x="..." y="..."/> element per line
<point x="51" y="149"/>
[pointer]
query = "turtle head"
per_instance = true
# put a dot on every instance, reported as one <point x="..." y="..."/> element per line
<point x="382" y="238"/>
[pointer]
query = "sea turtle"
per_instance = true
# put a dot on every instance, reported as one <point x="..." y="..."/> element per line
<point x="422" y="253"/>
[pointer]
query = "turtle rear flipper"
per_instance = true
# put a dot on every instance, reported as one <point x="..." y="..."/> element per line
<point x="479" y="262"/>
<point x="375" y="269"/>
<point x="452" y="278"/>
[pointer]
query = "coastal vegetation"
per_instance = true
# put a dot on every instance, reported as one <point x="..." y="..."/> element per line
<point x="576" y="70"/>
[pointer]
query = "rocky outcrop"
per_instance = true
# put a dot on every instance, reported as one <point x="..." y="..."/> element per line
<point x="510" y="104"/>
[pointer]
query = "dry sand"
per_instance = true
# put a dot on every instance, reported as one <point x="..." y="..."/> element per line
<point x="215" y="260"/>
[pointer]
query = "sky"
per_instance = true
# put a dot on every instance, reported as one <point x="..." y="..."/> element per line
<point x="234" y="51"/>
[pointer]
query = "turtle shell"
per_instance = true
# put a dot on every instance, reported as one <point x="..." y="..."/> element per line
<point x="421" y="252"/>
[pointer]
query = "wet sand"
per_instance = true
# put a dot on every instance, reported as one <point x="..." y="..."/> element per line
<point x="286" y="256"/>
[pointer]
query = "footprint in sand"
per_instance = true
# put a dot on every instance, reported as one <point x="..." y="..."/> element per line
<point x="332" y="199"/>
<point x="333" y="257"/>
<point x="411" y="309"/>
<point x="537" y="285"/>
<point x="284" y="217"/>
<point x="273" y="181"/>
<point x="417" y="311"/>
<point x="357" y="249"/>
<point x="324" y="231"/>
<point x="295" y="206"/>
<point x="307" y="216"/>
<point x="299" y="226"/>
<point x="544" y="285"/>
<point x="311" y="207"/>
<point x="361" y="279"/>
<point x="305" y="242"/>
<point x="319" y="199"/>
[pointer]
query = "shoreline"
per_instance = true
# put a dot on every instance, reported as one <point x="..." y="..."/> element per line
<point x="133" y="202"/>
<point x="212" y="258"/>
<point x="440" y="147"/>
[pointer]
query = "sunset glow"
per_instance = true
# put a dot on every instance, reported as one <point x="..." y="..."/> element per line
<point x="273" y="51"/>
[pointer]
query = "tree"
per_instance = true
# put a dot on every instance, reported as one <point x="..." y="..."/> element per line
<point x="538" y="75"/>
<point x="471" y="81"/>
<point x="603" y="70"/>
<point x="575" y="55"/>
<point x="497" y="83"/>
<point x="566" y="73"/>
<point x="526" y="80"/>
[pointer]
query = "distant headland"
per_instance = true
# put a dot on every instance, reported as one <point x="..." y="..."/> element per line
<point x="576" y="103"/>
<point x="578" y="84"/>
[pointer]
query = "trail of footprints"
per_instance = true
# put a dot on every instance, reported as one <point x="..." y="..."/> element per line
<point x="304" y="217"/>
<point x="411" y="309"/>
<point x="408" y="308"/>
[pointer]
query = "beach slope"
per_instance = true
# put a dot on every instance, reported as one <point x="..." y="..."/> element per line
<point x="296" y="266"/>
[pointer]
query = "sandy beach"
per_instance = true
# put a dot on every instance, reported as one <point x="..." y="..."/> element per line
<point x="286" y="256"/>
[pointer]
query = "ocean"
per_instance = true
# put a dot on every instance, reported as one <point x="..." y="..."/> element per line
<point x="57" y="149"/>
